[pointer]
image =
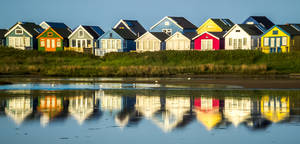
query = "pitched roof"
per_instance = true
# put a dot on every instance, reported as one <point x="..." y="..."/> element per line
<point x="64" y="32"/>
<point x="183" y="22"/>
<point x="32" y="28"/>
<point x="264" y="21"/>
<point x="126" y="34"/>
<point x="57" y="24"/>
<point x="160" y="35"/>
<point x="95" y="31"/>
<point x="251" y="29"/>
<point x="135" y="26"/>
<point x="2" y="33"/>
<point x="225" y="24"/>
<point x="292" y="29"/>
<point x="190" y="35"/>
<point x="218" y="34"/>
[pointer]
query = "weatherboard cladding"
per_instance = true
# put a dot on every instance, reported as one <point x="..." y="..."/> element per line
<point x="224" y="24"/>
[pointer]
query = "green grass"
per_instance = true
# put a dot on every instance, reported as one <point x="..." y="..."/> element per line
<point x="164" y="63"/>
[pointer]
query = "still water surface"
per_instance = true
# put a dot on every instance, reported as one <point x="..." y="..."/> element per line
<point x="143" y="113"/>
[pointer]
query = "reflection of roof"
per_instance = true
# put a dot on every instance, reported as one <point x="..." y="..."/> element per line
<point x="237" y="110"/>
<point x="81" y="108"/>
<point x="275" y="109"/>
<point x="209" y="119"/>
<point x="18" y="109"/>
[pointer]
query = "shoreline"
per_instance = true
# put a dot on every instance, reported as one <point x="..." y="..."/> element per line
<point x="247" y="82"/>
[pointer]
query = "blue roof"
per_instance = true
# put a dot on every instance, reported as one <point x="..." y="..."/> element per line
<point x="98" y="30"/>
<point x="57" y="25"/>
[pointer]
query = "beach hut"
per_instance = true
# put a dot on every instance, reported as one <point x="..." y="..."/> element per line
<point x="116" y="40"/>
<point x="84" y="39"/>
<point x="53" y="39"/>
<point x="209" y="41"/>
<point x="281" y="38"/>
<point x="243" y="37"/>
<point x="215" y="25"/>
<point x="180" y="41"/>
<point x="133" y="25"/>
<point x="171" y="25"/>
<point x="23" y="36"/>
<point x="151" y="41"/>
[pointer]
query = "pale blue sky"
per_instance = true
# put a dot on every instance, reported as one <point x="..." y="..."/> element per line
<point x="106" y="13"/>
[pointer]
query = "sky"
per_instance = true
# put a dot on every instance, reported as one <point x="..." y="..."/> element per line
<point x="106" y="13"/>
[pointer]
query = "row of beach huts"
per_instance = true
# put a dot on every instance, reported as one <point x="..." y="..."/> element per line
<point x="170" y="33"/>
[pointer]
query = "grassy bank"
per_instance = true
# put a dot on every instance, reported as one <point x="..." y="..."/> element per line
<point x="165" y="63"/>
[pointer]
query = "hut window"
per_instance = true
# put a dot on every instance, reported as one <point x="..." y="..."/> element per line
<point x="19" y="31"/>
<point x="88" y="43"/>
<point x="230" y="41"/>
<point x="167" y="31"/>
<point x="121" y="28"/>
<point x="50" y="34"/>
<point x="58" y="43"/>
<point x="266" y="41"/>
<point x="42" y="43"/>
<point x="244" y="41"/>
<point x="110" y="35"/>
<point x="275" y="32"/>
<point x="238" y="31"/>
<point x="73" y="43"/>
<point x="27" y="42"/>
<point x="167" y="23"/>
<point x="250" y="23"/>
<point x="284" y="41"/>
<point x="81" y="34"/>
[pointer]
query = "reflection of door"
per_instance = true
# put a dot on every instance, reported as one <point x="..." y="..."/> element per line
<point x="50" y="45"/>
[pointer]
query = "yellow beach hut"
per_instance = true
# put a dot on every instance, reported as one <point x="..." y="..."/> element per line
<point x="281" y="38"/>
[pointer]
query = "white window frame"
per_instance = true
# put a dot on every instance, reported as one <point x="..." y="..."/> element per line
<point x="167" y="31"/>
<point x="81" y="36"/>
<point x="22" y="32"/>
<point x="266" y="41"/>
<point x="284" y="41"/>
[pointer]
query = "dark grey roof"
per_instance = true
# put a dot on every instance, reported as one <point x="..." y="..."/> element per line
<point x="126" y="34"/>
<point x="32" y="28"/>
<point x="160" y="35"/>
<point x="292" y="29"/>
<point x="190" y="35"/>
<point x="136" y="27"/>
<point x="95" y="31"/>
<point x="225" y="24"/>
<point x="57" y="25"/>
<point x="218" y="34"/>
<point x="183" y="22"/>
<point x="251" y="29"/>
<point x="264" y="20"/>
<point x="2" y="33"/>
<point x="64" y="32"/>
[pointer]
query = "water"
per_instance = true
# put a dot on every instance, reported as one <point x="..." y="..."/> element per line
<point x="146" y="113"/>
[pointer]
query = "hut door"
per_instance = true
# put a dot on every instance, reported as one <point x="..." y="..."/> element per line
<point x="272" y="45"/>
<point x="50" y="45"/>
<point x="278" y="44"/>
